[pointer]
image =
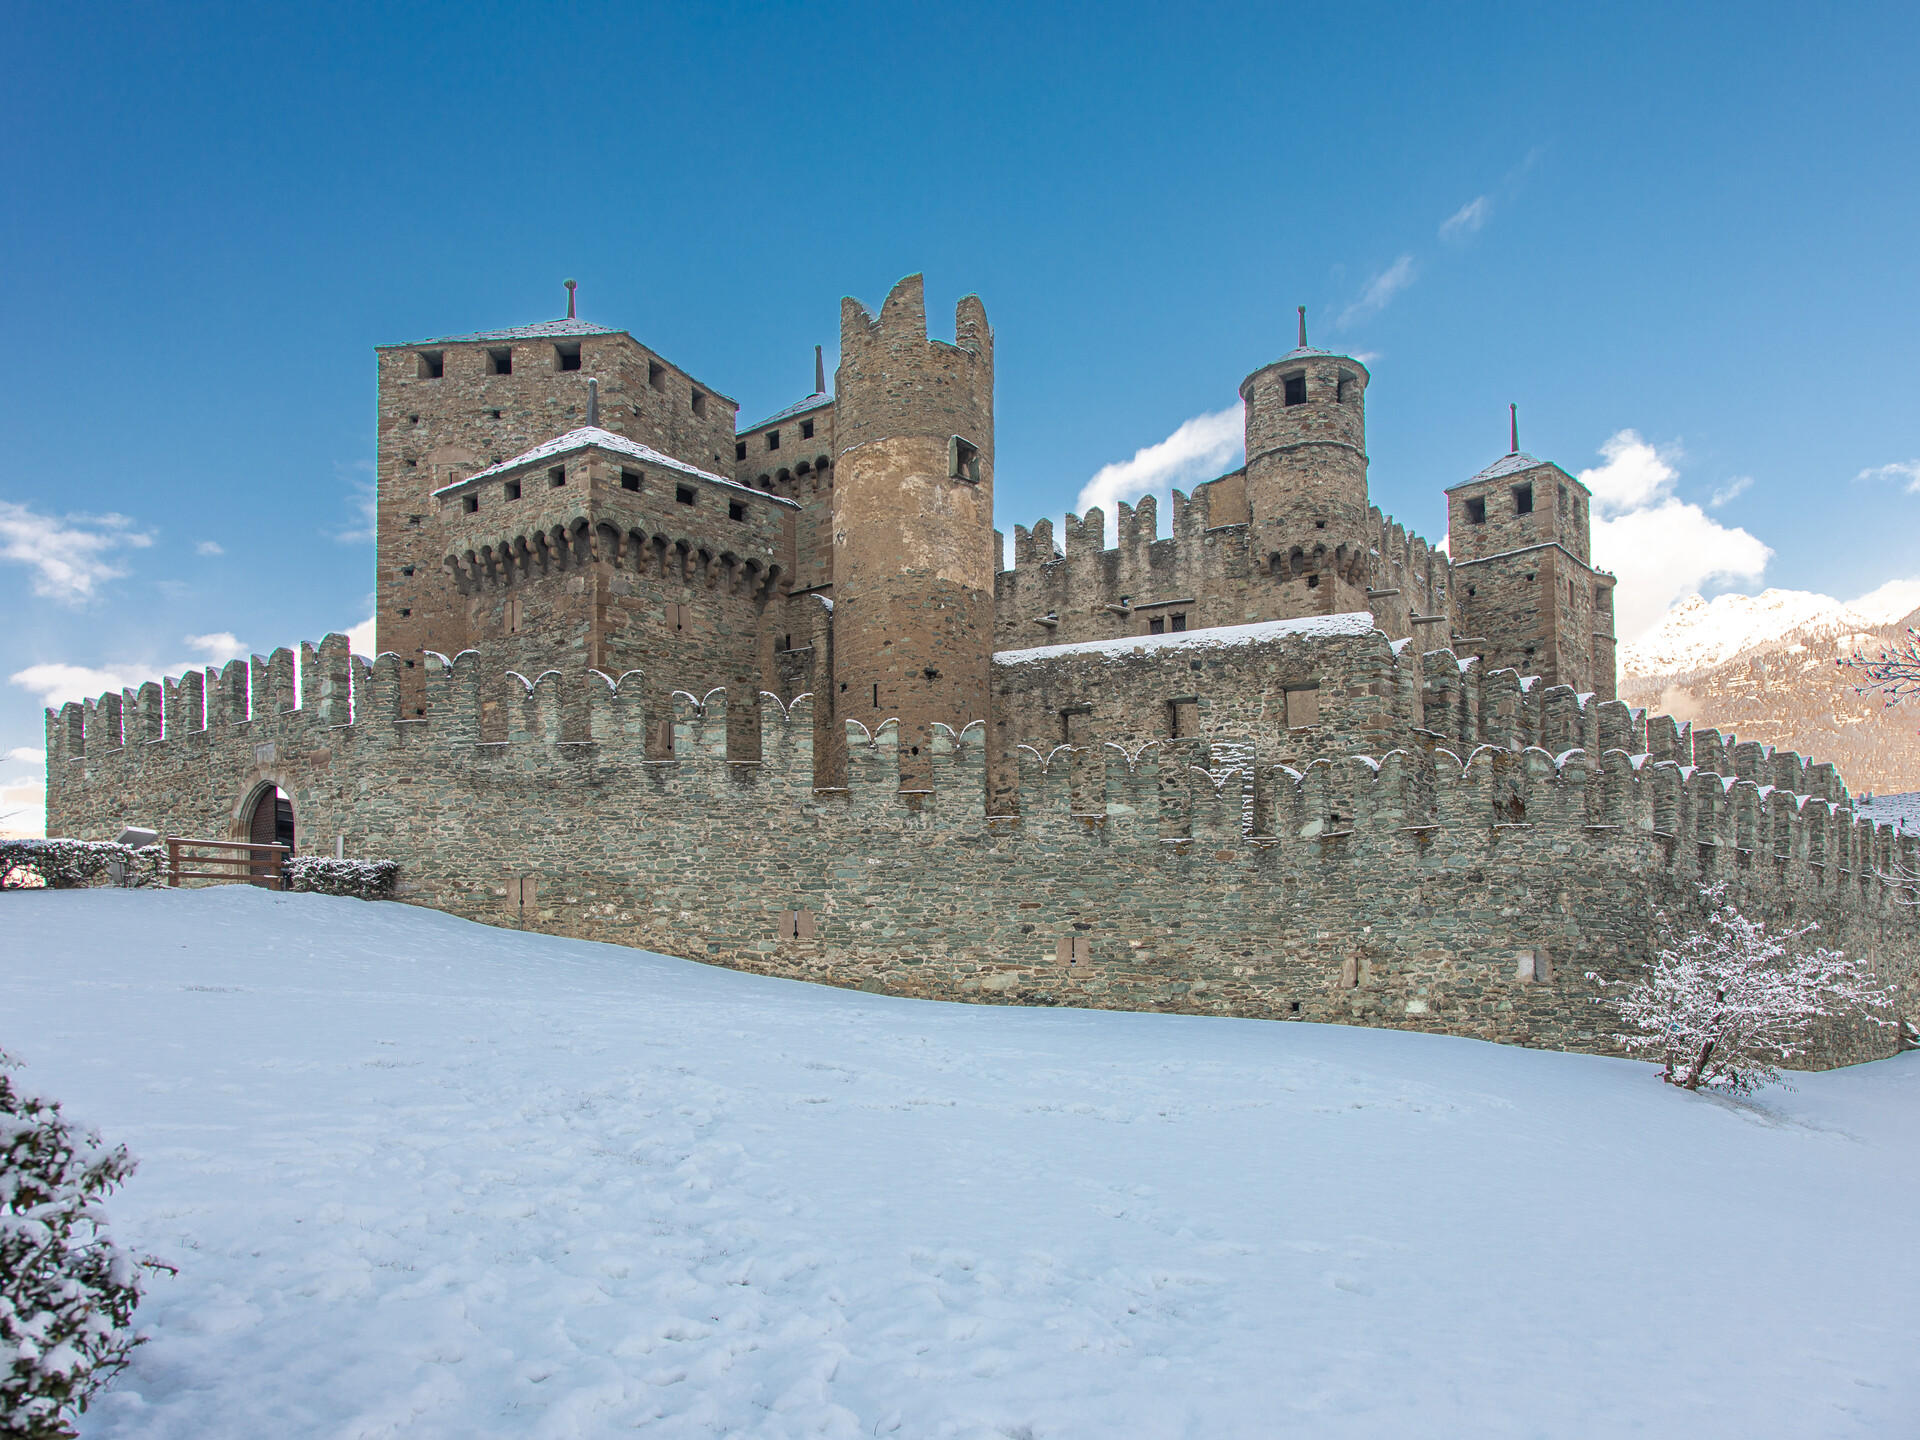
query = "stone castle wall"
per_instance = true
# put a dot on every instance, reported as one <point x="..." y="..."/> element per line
<point x="1455" y="886"/>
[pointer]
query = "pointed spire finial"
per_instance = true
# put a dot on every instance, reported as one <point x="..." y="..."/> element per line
<point x="1303" y="327"/>
<point x="570" y="286"/>
<point x="819" y="370"/>
<point x="1513" y="412"/>
<point x="593" y="401"/>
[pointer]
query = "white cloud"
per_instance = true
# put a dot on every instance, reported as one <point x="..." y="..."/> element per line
<point x="1203" y="447"/>
<point x="1892" y="601"/>
<point x="70" y="555"/>
<point x="1380" y="290"/>
<point x="209" y="547"/>
<point x="56" y="682"/>
<point x="362" y="637"/>
<point x="1661" y="547"/>
<point x="26" y="755"/>
<point x="361" y="502"/>
<point x="218" y="648"/>
<point x="1730" y="491"/>
<point x="1466" y="221"/>
<point x="1907" y="472"/>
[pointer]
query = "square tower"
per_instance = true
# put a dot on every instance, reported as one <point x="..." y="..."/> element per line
<point x="1525" y="589"/>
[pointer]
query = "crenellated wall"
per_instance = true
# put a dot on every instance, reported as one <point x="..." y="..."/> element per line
<point x="1464" y="882"/>
<point x="1207" y="573"/>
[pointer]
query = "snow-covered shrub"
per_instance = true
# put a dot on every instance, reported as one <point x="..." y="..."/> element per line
<point x="67" y="1292"/>
<point x="1724" y="1003"/>
<point x="365" y="879"/>
<point x="72" y="864"/>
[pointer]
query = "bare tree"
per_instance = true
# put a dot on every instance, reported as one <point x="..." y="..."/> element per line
<point x="1724" y="1003"/>
<point x="1895" y="672"/>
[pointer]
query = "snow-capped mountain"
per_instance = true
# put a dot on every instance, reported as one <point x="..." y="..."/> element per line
<point x="1698" y="633"/>
<point x="1762" y="667"/>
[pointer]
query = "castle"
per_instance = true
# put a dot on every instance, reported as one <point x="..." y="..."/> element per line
<point x="766" y="697"/>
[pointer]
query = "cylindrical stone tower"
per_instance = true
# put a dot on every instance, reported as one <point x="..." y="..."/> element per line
<point x="1307" y="476"/>
<point x="913" y="560"/>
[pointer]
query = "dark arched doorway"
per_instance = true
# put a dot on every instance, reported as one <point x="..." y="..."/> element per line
<point x="271" y="824"/>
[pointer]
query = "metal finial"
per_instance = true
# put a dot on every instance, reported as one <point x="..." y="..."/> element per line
<point x="819" y="370"/>
<point x="1514" y="414"/>
<point x="570" y="288"/>
<point x="1303" y="327"/>
<point x="593" y="401"/>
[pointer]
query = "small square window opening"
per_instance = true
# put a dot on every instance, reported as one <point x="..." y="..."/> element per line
<point x="1477" y="511"/>
<point x="657" y="376"/>
<point x="510" y="490"/>
<point x="1157" y="625"/>
<point x="469" y="503"/>
<point x="500" y="362"/>
<point x="700" y="404"/>
<point x="963" y="460"/>
<point x="566" y="357"/>
<point x="806" y="429"/>
<point x="557" y="476"/>
<point x="684" y="494"/>
<point x="739" y="449"/>
<point x="629" y="480"/>
<point x="1179" y="623"/>
<point x="737" y="511"/>
<point x="432" y="364"/>
<point x="773" y="439"/>
<point x="1523" y="499"/>
<point x="1296" y="390"/>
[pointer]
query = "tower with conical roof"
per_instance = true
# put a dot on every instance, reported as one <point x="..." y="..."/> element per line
<point x="1306" y="427"/>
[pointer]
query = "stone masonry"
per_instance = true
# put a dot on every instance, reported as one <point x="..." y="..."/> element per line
<point x="777" y="707"/>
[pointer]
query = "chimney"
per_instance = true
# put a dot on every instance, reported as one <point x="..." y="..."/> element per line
<point x="593" y="401"/>
<point x="819" y="371"/>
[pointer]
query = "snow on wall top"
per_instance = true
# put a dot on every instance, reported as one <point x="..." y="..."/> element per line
<point x="606" y="440"/>
<point x="815" y="401"/>
<point x="1900" y="811"/>
<point x="544" y="330"/>
<point x="1219" y="637"/>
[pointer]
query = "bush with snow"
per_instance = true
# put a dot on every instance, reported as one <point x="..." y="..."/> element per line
<point x="1724" y="1003"/>
<point x="322" y="875"/>
<point x="67" y="1292"/>
<point x="74" y="864"/>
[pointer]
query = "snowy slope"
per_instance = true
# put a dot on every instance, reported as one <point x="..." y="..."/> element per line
<point x="424" y="1178"/>
<point x="1698" y="633"/>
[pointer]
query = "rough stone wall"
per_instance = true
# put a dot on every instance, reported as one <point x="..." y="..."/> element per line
<point x="1207" y="573"/>
<point x="434" y="431"/>
<point x="1414" y="889"/>
<point x="792" y="454"/>
<point x="591" y="573"/>
<point x="1306" y="472"/>
<point x="913" y="562"/>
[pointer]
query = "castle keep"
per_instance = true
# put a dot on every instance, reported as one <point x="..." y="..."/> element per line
<point x="764" y="696"/>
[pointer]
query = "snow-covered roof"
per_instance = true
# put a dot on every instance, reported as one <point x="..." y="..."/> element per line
<point x="1900" y="811"/>
<point x="593" y="435"/>
<point x="815" y="401"/>
<point x="1219" y="637"/>
<point x="1511" y="464"/>
<point x="545" y="330"/>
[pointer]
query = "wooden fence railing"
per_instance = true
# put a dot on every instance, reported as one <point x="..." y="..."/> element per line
<point x="253" y="864"/>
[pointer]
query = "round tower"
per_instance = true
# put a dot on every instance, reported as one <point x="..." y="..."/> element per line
<point x="1307" y="475"/>
<point x="913" y="560"/>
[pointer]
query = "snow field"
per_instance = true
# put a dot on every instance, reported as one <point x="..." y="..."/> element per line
<point x="426" y="1178"/>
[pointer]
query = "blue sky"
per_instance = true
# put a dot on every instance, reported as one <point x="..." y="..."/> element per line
<point x="1694" y="224"/>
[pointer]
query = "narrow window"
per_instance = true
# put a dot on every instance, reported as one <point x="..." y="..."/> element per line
<point x="876" y="697"/>
<point x="1343" y="392"/>
<point x="511" y="490"/>
<point x="496" y="415"/>
<point x="1477" y="511"/>
<point x="1179" y="623"/>
<point x="1523" y="499"/>
<point x="700" y="404"/>
<point x="739" y="449"/>
<point x="737" y="511"/>
<point x="500" y="362"/>
<point x="1599" y="598"/>
<point x="406" y="569"/>
<point x="1157" y="625"/>
<point x="773" y="439"/>
<point x="1313" y="582"/>
<point x="684" y="494"/>
<point x="657" y="375"/>
<point x="806" y="429"/>
<point x="1565" y="508"/>
<point x="1570" y="594"/>
<point x="1296" y="391"/>
<point x="963" y="460"/>
<point x="405" y="611"/>
<point x="557" y="476"/>
<point x="413" y="519"/>
<point x="566" y="357"/>
<point x="629" y="479"/>
<point x="432" y="364"/>
<point x="469" y="503"/>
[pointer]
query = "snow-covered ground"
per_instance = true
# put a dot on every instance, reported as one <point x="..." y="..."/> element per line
<point x="424" y="1178"/>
